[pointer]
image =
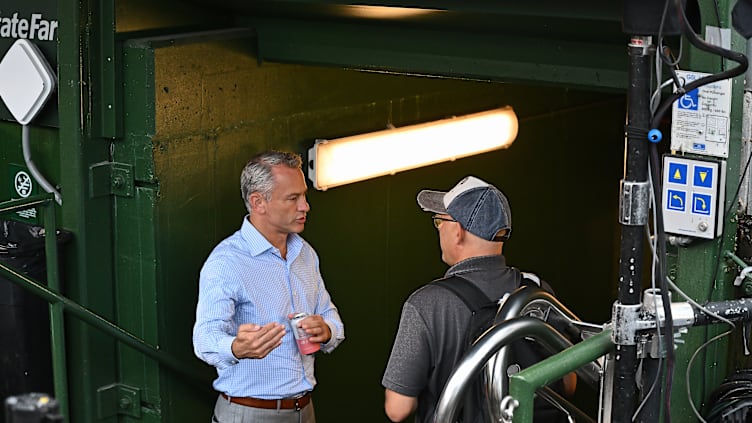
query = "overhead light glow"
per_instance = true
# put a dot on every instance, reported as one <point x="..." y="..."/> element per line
<point x="351" y="159"/>
<point x="387" y="12"/>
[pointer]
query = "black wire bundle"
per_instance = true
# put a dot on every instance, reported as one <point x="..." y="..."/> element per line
<point x="688" y="32"/>
<point x="741" y="59"/>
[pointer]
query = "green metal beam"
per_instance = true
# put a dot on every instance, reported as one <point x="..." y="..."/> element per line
<point x="700" y="269"/>
<point x="577" y="44"/>
<point x="522" y="385"/>
<point x="447" y="52"/>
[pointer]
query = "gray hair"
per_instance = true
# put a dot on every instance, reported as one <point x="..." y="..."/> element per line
<point x="257" y="173"/>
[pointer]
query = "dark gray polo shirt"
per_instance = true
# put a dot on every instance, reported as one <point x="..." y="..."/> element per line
<point x="431" y="334"/>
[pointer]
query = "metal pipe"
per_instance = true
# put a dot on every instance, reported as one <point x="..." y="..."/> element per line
<point x="35" y="173"/>
<point x="523" y="296"/>
<point x="523" y="385"/>
<point x="736" y="259"/>
<point x="470" y="365"/>
<point x="740" y="309"/>
<point x="632" y="232"/>
<point x="25" y="203"/>
<point x="57" y="318"/>
<point x="495" y="377"/>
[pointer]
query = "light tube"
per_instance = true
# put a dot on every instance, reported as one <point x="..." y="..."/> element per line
<point x="352" y="159"/>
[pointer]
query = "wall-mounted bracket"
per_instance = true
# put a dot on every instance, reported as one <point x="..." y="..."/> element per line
<point x="634" y="201"/>
<point x="107" y="178"/>
<point x="119" y="399"/>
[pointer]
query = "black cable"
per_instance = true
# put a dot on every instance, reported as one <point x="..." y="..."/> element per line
<point x="671" y="69"/>
<point x="656" y="120"/>
<point x="661" y="245"/>
<point x="655" y="163"/>
<point x="667" y="369"/>
<point x="718" y="20"/>
<point x="702" y="45"/>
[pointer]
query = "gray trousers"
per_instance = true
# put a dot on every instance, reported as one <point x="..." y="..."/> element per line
<point x="228" y="412"/>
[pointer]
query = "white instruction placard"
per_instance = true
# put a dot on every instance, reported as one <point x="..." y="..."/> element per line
<point x="700" y="120"/>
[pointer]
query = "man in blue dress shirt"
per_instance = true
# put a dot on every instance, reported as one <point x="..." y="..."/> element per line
<point x="249" y="285"/>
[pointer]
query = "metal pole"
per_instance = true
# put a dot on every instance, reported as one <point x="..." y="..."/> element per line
<point x="57" y="318"/>
<point x="634" y="213"/>
<point x="470" y="365"/>
<point x="522" y="385"/>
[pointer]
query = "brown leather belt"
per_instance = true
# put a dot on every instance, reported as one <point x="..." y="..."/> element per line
<point x="284" y="403"/>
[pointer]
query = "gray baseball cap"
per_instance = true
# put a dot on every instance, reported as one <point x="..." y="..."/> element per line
<point x="479" y="207"/>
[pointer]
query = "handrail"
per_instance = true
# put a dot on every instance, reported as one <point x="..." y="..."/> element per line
<point x="95" y="320"/>
<point x="491" y="353"/>
<point x="57" y="318"/>
<point x="59" y="303"/>
<point x="522" y="385"/>
<point x="515" y="305"/>
<point x="31" y="201"/>
<point x="486" y="346"/>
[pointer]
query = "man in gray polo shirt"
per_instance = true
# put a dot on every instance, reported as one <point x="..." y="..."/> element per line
<point x="473" y="220"/>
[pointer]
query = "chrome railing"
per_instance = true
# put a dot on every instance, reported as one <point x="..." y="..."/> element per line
<point x="525" y="313"/>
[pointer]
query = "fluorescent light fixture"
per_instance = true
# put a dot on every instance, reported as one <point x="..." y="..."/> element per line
<point x="346" y="160"/>
<point x="387" y="12"/>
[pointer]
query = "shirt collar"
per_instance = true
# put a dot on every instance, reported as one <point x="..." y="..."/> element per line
<point x="259" y="245"/>
<point x="477" y="263"/>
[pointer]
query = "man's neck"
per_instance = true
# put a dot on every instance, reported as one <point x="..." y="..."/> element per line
<point x="488" y="249"/>
<point x="277" y="239"/>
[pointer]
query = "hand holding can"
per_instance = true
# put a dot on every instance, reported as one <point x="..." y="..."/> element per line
<point x="302" y="338"/>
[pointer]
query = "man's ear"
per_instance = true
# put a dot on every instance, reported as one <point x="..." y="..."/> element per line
<point x="257" y="202"/>
<point x="458" y="234"/>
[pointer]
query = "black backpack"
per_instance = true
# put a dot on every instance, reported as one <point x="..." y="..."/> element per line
<point x="484" y="311"/>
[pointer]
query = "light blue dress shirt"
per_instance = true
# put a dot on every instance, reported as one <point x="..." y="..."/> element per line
<point x="246" y="280"/>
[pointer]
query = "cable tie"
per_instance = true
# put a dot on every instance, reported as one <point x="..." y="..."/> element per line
<point x="631" y="130"/>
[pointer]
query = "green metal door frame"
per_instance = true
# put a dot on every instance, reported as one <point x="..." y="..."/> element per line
<point x="89" y="270"/>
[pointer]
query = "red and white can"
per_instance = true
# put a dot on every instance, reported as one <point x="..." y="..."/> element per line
<point x="301" y="337"/>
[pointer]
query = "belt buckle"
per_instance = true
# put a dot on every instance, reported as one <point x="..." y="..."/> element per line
<point x="297" y="401"/>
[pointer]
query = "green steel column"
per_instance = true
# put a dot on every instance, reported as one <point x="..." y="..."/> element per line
<point x="699" y="269"/>
<point x="91" y="355"/>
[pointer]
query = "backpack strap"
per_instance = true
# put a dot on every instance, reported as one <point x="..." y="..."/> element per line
<point x="473" y="297"/>
<point x="527" y="278"/>
<point x="475" y="300"/>
<point x="468" y="292"/>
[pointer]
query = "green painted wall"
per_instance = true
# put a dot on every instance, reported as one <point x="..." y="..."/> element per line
<point x="191" y="124"/>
